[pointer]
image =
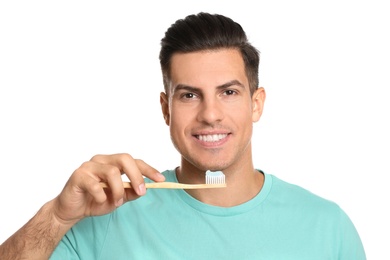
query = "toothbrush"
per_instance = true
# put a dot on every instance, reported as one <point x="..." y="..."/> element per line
<point x="213" y="180"/>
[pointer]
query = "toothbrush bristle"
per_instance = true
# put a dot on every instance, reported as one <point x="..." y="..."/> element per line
<point x="216" y="177"/>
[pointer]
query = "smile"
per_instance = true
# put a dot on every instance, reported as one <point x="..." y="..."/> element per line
<point x="211" y="138"/>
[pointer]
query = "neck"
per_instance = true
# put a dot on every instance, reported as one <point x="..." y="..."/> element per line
<point x="243" y="183"/>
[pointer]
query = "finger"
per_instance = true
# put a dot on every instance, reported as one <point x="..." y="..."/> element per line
<point x="149" y="171"/>
<point x="146" y="171"/>
<point x="93" y="173"/>
<point x="130" y="168"/>
<point x="91" y="186"/>
<point x="126" y="164"/>
<point x="112" y="175"/>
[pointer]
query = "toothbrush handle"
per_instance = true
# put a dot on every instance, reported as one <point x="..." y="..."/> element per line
<point x="174" y="185"/>
<point x="171" y="185"/>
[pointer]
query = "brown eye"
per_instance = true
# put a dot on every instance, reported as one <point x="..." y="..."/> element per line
<point x="230" y="92"/>
<point x="189" y="95"/>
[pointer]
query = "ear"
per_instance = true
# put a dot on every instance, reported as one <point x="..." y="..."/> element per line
<point x="164" y="107"/>
<point x="258" y="99"/>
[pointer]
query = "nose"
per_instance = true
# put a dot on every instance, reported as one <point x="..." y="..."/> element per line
<point x="210" y="111"/>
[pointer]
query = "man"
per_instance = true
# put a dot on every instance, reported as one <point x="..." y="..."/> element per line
<point x="211" y="100"/>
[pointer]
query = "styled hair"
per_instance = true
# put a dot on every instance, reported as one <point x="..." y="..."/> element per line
<point x="205" y="31"/>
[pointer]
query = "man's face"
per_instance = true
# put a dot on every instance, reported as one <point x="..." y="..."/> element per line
<point x="210" y="110"/>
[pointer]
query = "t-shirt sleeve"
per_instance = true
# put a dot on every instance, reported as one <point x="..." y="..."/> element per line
<point x="351" y="246"/>
<point x="84" y="240"/>
<point x="65" y="249"/>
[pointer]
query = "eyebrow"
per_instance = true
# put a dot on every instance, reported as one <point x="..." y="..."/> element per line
<point x="231" y="83"/>
<point x="195" y="89"/>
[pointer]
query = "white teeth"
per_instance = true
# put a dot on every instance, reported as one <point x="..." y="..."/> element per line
<point x="211" y="138"/>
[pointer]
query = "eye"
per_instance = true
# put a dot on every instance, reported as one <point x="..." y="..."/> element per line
<point x="229" y="92"/>
<point x="188" y="95"/>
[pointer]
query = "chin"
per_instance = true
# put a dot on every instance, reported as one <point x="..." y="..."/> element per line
<point x="213" y="166"/>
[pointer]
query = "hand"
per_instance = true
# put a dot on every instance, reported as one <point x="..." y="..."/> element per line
<point x="83" y="195"/>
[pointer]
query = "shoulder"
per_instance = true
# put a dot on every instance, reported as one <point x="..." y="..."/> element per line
<point x="303" y="205"/>
<point x="294" y="196"/>
<point x="322" y="219"/>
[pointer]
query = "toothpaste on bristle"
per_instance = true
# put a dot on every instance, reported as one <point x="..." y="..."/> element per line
<point x="216" y="177"/>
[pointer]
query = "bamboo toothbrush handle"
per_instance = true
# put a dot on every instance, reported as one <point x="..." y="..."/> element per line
<point x="171" y="185"/>
<point x="175" y="185"/>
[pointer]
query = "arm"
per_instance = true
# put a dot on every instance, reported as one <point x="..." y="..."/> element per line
<point x="82" y="196"/>
<point x="37" y="238"/>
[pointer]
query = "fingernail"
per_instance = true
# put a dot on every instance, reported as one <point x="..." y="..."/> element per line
<point x="141" y="189"/>
<point x="119" y="202"/>
<point x="159" y="175"/>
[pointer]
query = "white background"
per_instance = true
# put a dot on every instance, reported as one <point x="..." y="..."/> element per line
<point x="79" y="78"/>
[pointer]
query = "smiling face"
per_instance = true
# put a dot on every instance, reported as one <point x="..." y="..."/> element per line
<point x="210" y="110"/>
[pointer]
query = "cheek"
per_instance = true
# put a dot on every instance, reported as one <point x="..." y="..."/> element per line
<point x="240" y="113"/>
<point x="179" y="120"/>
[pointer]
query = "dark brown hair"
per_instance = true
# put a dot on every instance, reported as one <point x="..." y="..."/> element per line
<point x="206" y="31"/>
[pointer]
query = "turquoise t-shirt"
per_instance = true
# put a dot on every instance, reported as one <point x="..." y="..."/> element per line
<point x="283" y="221"/>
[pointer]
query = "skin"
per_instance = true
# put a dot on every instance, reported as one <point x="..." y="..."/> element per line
<point x="81" y="197"/>
<point x="209" y="95"/>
